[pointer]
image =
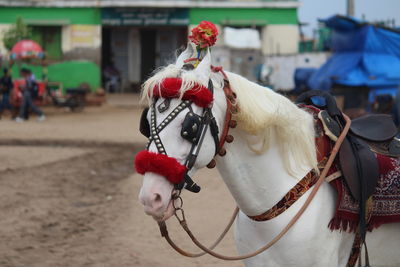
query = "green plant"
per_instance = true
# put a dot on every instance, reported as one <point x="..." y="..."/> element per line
<point x="17" y="32"/>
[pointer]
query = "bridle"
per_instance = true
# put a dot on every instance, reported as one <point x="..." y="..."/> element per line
<point x="202" y="122"/>
<point x="194" y="129"/>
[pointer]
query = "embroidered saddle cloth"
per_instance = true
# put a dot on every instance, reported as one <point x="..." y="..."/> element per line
<point x="384" y="205"/>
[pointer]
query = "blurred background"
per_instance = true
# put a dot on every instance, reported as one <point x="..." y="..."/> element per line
<point x="113" y="46"/>
<point x="68" y="192"/>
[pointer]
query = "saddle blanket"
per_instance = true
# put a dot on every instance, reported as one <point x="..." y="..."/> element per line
<point x="384" y="205"/>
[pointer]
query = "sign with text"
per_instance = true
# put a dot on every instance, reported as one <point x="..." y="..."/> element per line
<point x="145" y="16"/>
<point x="83" y="35"/>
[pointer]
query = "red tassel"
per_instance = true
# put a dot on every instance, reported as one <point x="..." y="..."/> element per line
<point x="163" y="165"/>
<point x="343" y="224"/>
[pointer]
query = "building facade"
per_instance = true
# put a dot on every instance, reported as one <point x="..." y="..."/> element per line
<point x="137" y="36"/>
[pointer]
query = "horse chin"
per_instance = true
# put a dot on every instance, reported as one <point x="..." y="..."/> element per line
<point x="169" y="211"/>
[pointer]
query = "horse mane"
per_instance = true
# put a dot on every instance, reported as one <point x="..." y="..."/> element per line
<point x="261" y="111"/>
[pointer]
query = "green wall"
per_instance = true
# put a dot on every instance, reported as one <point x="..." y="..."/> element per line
<point x="70" y="15"/>
<point x="70" y="73"/>
<point x="73" y="73"/>
<point x="93" y="15"/>
<point x="244" y="16"/>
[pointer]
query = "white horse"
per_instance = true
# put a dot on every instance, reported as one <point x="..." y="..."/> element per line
<point x="273" y="149"/>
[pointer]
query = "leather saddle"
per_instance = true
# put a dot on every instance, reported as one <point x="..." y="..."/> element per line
<point x="368" y="134"/>
<point x="374" y="127"/>
<point x="379" y="132"/>
<point x="357" y="160"/>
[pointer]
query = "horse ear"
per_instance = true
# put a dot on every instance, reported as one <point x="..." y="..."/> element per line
<point x="184" y="55"/>
<point x="203" y="70"/>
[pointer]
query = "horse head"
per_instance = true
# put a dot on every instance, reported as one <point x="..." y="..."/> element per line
<point x="184" y="123"/>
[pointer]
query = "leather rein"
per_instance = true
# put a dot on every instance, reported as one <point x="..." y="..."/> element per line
<point x="180" y="214"/>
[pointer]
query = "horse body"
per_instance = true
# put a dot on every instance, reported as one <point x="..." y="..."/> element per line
<point x="273" y="149"/>
<point x="258" y="183"/>
<point x="310" y="242"/>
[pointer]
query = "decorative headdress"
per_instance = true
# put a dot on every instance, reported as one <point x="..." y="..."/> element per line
<point x="203" y="36"/>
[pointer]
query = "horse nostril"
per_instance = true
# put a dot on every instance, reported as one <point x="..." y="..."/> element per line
<point x="157" y="198"/>
<point x="156" y="202"/>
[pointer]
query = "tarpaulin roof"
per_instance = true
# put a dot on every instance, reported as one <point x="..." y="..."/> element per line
<point x="363" y="55"/>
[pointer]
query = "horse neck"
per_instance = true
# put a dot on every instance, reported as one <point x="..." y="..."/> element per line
<point x="257" y="182"/>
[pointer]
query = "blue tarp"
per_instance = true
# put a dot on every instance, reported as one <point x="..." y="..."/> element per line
<point x="363" y="55"/>
<point x="373" y="93"/>
<point x="301" y="77"/>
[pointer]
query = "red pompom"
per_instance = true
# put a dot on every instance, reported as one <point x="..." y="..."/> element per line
<point x="163" y="165"/>
<point x="170" y="87"/>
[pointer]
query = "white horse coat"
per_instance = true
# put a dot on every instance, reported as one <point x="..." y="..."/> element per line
<point x="273" y="149"/>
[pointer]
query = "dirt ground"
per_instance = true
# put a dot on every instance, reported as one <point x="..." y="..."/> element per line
<point x="68" y="196"/>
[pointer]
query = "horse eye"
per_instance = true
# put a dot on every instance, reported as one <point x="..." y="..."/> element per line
<point x="164" y="105"/>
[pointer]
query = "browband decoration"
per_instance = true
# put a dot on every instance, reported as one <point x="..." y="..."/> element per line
<point x="170" y="88"/>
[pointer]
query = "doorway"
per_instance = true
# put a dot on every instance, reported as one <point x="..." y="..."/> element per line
<point x="148" y="52"/>
<point x="136" y="52"/>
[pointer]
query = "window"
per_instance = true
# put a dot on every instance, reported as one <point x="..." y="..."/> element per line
<point x="49" y="37"/>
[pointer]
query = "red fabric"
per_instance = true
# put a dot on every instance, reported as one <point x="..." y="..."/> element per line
<point x="322" y="141"/>
<point x="385" y="207"/>
<point x="26" y="49"/>
<point x="168" y="167"/>
<point x="16" y="94"/>
<point x="170" y="88"/>
<point x="26" y="45"/>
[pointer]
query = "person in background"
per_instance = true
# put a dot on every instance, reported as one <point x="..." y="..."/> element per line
<point x="6" y="86"/>
<point x="29" y="92"/>
<point x="112" y="78"/>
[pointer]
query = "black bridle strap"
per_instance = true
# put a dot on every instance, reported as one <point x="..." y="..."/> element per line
<point x="154" y="133"/>
<point x="173" y="114"/>
<point x="214" y="131"/>
<point x="155" y="130"/>
<point x="195" y="149"/>
<point x="188" y="182"/>
<point x="208" y="119"/>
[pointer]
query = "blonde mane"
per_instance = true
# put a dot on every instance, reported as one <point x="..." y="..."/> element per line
<point x="261" y="111"/>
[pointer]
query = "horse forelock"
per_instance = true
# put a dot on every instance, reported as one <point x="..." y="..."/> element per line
<point x="188" y="80"/>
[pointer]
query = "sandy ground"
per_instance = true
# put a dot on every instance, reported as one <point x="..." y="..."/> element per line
<point x="106" y="124"/>
<point x="68" y="197"/>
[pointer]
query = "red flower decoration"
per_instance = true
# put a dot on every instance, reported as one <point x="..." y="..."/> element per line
<point x="204" y="35"/>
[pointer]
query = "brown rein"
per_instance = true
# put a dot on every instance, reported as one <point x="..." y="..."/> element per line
<point x="183" y="222"/>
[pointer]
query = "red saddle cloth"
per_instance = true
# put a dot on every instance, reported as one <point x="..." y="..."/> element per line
<point x="384" y="206"/>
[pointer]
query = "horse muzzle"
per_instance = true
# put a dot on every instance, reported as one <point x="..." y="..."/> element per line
<point x="155" y="196"/>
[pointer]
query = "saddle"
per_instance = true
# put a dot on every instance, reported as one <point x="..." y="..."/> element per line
<point x="368" y="134"/>
<point x="379" y="132"/>
<point x="357" y="160"/>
